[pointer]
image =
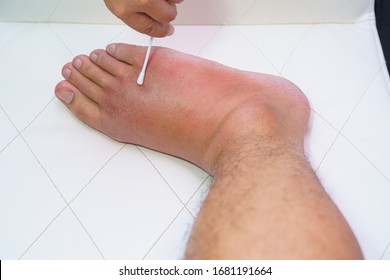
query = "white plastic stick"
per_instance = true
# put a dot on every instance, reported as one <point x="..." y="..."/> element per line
<point x="141" y="77"/>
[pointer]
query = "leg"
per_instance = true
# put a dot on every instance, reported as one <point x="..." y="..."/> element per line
<point x="245" y="129"/>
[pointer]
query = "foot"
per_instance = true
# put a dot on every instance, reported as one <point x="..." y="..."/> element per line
<point x="188" y="107"/>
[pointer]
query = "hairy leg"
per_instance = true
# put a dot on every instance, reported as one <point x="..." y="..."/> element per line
<point x="246" y="129"/>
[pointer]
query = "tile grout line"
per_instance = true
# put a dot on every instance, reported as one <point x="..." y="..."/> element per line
<point x="86" y="185"/>
<point x="97" y="173"/>
<point x="308" y="11"/>
<point x="54" y="10"/>
<point x="193" y="195"/>
<point x="16" y="129"/>
<point x="220" y="27"/>
<point x="162" y="234"/>
<point x="216" y="17"/>
<point x="256" y="47"/>
<point x="296" y="47"/>
<point x="349" y="117"/>
<point x="43" y="109"/>
<point x="117" y="35"/>
<point x="353" y="43"/>
<point x="385" y="251"/>
<point x="19" y="132"/>
<point x="30" y="25"/>
<point x="44" y="169"/>
<point x="325" y="120"/>
<point x="162" y="177"/>
<point x="86" y="231"/>
<point x="60" y="38"/>
<point x="366" y="158"/>
<point x="40" y="235"/>
<point x="247" y="11"/>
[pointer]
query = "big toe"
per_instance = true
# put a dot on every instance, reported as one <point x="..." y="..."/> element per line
<point x="79" y="104"/>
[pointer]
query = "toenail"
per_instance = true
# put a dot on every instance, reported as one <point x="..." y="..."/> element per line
<point x="65" y="96"/>
<point x="93" y="57"/>
<point x="111" y="48"/>
<point x="66" y="73"/>
<point x="78" y="63"/>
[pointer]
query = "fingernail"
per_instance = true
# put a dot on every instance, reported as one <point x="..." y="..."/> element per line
<point x="78" y="63"/>
<point x="66" y="73"/>
<point x="93" y="57"/>
<point x="65" y="96"/>
<point x="111" y="48"/>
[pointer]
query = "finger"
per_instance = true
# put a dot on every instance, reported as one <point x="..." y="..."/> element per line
<point x="160" y="11"/>
<point x="147" y="25"/>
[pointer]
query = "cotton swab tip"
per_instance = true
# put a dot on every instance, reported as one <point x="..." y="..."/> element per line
<point x="141" y="77"/>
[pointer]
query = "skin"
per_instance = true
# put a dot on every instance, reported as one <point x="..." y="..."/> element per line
<point x="151" y="17"/>
<point x="246" y="129"/>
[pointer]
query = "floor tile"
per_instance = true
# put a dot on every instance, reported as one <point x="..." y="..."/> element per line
<point x="369" y="127"/>
<point x="189" y="39"/>
<point x="197" y="200"/>
<point x="361" y="193"/>
<point x="8" y="131"/>
<point x="183" y="177"/>
<point x="277" y="48"/>
<point x="84" y="38"/>
<point x="319" y="138"/>
<point x="8" y="30"/>
<point x="10" y="11"/>
<point x="28" y="200"/>
<point x="274" y="12"/>
<point x="86" y="11"/>
<point x="332" y="91"/>
<point x="127" y="206"/>
<point x="230" y="11"/>
<point x="34" y="59"/>
<point x="71" y="151"/>
<point x="386" y="255"/>
<point x="27" y="11"/>
<point x="231" y="48"/>
<point x="65" y="239"/>
<point x="196" y="12"/>
<point x="362" y="36"/>
<point x="172" y="244"/>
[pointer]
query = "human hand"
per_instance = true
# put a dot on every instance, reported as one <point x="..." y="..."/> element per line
<point x="151" y="17"/>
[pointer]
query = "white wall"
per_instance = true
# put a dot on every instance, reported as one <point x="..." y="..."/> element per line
<point x="196" y="11"/>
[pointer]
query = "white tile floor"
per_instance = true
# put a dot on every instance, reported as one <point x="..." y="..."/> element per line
<point x="69" y="192"/>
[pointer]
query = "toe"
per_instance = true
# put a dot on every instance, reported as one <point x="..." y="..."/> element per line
<point x="79" y="104"/>
<point x="93" y="72"/>
<point x="108" y="63"/>
<point x="82" y="83"/>
<point x="130" y="54"/>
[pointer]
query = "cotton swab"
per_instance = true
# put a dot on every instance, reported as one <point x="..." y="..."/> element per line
<point x="141" y="77"/>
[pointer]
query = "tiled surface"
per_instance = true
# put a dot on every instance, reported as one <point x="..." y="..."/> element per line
<point x="29" y="201"/>
<point x="197" y="11"/>
<point x="354" y="184"/>
<point x="69" y="192"/>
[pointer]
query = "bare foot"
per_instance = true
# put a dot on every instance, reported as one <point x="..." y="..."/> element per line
<point x="188" y="107"/>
